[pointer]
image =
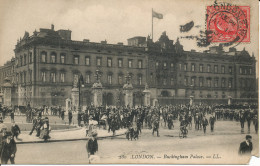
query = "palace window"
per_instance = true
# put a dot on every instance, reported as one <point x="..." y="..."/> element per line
<point x="62" y="58"/>
<point x="43" y="57"/>
<point x="216" y="82"/>
<point x="185" y="67"/>
<point x="240" y="70"/>
<point x="62" y="77"/>
<point x="208" y="68"/>
<point x="53" y="77"/>
<point x="180" y="66"/>
<point x="209" y="82"/>
<point x="130" y="63"/>
<point x="76" y="59"/>
<point x="215" y="69"/>
<point x="109" y="79"/>
<point x="87" y="61"/>
<point x="98" y="61"/>
<point x="140" y="80"/>
<point x="109" y="62"/>
<point x="88" y="78"/>
<point x="140" y="64"/>
<point x="53" y="58"/>
<point x="193" y="81"/>
<point x="223" y="83"/>
<point x="192" y="67"/>
<point x="201" y="68"/>
<point x="120" y="63"/>
<point x="201" y="82"/>
<point x="230" y="83"/>
<point x="230" y="69"/>
<point x="172" y="65"/>
<point x="223" y="69"/>
<point x="43" y="76"/>
<point x="250" y="71"/>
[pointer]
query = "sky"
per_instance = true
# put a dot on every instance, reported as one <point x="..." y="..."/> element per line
<point x="111" y="20"/>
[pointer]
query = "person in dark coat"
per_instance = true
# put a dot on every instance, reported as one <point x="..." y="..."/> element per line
<point x="8" y="149"/>
<point x="15" y="130"/>
<point x="92" y="145"/>
<point x="79" y="118"/>
<point x="246" y="146"/>
<point x="204" y="124"/>
<point x="62" y="114"/>
<point x="212" y="120"/>
<point x="70" y="117"/>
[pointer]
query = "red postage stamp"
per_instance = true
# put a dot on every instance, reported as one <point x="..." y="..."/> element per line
<point x="228" y="24"/>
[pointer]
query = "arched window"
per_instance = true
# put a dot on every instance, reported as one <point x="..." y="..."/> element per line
<point x="53" y="57"/>
<point x="43" y="57"/>
<point x="62" y="58"/>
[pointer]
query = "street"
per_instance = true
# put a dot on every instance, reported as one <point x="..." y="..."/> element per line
<point x="221" y="146"/>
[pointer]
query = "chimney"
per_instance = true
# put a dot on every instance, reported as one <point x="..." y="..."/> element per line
<point x="104" y="42"/>
<point x="120" y="43"/>
<point x="52" y="27"/>
<point x="86" y="40"/>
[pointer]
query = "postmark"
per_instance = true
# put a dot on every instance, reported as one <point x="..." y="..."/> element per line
<point x="228" y="24"/>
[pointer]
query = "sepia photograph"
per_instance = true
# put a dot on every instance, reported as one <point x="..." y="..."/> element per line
<point x="129" y="81"/>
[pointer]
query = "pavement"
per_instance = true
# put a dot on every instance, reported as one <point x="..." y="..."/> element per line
<point x="65" y="135"/>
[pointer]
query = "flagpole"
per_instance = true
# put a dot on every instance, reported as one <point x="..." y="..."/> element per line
<point x="152" y="24"/>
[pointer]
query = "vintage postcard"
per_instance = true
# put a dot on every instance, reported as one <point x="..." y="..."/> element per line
<point x="129" y="81"/>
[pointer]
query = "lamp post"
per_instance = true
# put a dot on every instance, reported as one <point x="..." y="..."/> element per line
<point x="80" y="84"/>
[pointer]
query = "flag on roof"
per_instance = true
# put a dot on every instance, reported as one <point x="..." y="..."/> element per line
<point x="157" y="15"/>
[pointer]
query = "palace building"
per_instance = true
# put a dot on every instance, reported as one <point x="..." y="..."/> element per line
<point x="48" y="62"/>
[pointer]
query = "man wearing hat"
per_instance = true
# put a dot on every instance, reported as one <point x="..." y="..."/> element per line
<point x="246" y="146"/>
<point x="8" y="149"/>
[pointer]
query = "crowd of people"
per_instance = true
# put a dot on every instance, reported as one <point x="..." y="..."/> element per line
<point x="132" y="119"/>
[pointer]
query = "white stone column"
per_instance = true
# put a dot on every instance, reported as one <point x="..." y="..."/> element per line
<point x="128" y="91"/>
<point x="75" y="98"/>
<point x="97" y="94"/>
<point x="68" y="105"/>
<point x="128" y="97"/>
<point x="7" y="92"/>
<point x="7" y="96"/>
<point x="229" y="100"/>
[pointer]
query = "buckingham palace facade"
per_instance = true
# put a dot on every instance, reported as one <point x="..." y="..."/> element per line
<point x="47" y="63"/>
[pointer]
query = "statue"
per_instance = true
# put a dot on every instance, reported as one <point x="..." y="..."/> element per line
<point x="98" y="76"/>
